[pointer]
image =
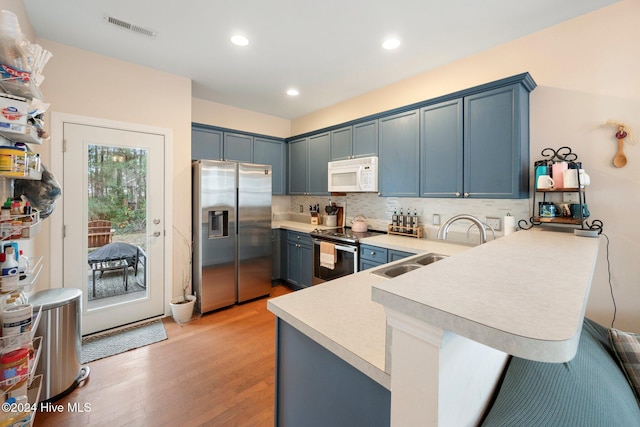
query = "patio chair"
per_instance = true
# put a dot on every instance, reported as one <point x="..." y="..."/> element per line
<point x="99" y="233"/>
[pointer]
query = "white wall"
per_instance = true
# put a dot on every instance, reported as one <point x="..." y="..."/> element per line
<point x="587" y="73"/>
<point x="215" y="114"/>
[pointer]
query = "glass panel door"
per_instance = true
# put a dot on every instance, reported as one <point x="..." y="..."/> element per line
<point x="114" y="224"/>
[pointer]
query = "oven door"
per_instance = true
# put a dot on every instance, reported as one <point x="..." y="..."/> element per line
<point x="346" y="262"/>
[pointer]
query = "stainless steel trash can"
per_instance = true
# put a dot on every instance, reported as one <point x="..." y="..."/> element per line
<point x="61" y="335"/>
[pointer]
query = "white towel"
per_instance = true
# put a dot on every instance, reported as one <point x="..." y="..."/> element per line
<point x="328" y="255"/>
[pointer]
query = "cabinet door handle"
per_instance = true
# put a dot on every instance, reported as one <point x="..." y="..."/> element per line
<point x="466" y="194"/>
<point x="457" y="194"/>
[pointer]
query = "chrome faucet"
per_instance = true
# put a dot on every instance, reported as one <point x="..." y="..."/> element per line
<point x="444" y="228"/>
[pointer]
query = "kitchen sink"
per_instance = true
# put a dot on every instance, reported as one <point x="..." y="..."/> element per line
<point x="429" y="259"/>
<point x="396" y="270"/>
<point x="404" y="267"/>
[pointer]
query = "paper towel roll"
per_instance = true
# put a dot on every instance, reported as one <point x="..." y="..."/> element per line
<point x="509" y="224"/>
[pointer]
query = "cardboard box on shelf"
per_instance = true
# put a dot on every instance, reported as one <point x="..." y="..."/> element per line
<point x="13" y="114"/>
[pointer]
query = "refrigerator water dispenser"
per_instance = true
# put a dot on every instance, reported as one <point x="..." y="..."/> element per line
<point x="218" y="224"/>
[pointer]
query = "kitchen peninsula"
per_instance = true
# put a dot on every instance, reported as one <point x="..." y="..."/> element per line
<point x="523" y="294"/>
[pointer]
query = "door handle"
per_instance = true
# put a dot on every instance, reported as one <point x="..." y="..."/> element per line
<point x="155" y="234"/>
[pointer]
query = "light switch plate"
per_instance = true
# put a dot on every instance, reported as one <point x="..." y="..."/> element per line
<point x="570" y="198"/>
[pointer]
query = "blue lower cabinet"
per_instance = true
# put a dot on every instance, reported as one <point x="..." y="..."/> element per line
<point x="366" y="264"/>
<point x="374" y="256"/>
<point x="394" y="255"/>
<point x="315" y="388"/>
<point x="299" y="259"/>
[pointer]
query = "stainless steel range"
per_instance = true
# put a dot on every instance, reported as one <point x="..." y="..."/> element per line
<point x="347" y="248"/>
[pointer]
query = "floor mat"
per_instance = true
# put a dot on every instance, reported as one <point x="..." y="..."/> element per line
<point x="109" y="344"/>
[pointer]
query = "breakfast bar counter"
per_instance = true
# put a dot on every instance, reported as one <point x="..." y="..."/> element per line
<point x="437" y="338"/>
<point x="524" y="294"/>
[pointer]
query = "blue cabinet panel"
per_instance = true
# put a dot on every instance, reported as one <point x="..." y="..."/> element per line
<point x="298" y="166"/>
<point x="341" y="143"/>
<point x="238" y="147"/>
<point x="441" y="149"/>
<point x="359" y="140"/>
<point x="319" y="157"/>
<point x="315" y="388"/>
<point x="299" y="259"/>
<point x="365" y="139"/>
<point x="206" y="144"/>
<point x="272" y="152"/>
<point x="366" y="264"/>
<point x="395" y="255"/>
<point x="496" y="143"/>
<point x="399" y="164"/>
<point x="373" y="253"/>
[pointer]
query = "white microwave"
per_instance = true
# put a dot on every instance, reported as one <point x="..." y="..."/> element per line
<point x="353" y="175"/>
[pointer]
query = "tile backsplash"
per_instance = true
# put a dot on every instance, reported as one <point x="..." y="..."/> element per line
<point x="378" y="210"/>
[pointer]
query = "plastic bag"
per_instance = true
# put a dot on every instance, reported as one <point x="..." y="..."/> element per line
<point x="41" y="194"/>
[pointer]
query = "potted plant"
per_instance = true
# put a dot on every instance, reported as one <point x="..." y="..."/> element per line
<point x="182" y="305"/>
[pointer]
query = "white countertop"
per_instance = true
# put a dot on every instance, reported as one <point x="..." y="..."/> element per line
<point x="340" y="315"/>
<point x="524" y="294"/>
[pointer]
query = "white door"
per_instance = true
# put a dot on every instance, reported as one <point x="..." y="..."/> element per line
<point x="114" y="223"/>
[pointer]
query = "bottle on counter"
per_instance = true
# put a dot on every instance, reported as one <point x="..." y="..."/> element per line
<point x="414" y="222"/>
<point x="394" y="221"/>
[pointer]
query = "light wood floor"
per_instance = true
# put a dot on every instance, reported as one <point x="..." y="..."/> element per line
<point x="214" y="371"/>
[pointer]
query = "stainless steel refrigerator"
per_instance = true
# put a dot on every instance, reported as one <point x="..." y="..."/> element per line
<point x="231" y="232"/>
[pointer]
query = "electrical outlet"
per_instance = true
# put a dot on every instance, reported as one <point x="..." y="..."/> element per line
<point x="301" y="209"/>
<point x="570" y="197"/>
<point x="495" y="223"/>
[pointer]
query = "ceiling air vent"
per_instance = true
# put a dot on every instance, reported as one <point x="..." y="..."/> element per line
<point x="129" y="26"/>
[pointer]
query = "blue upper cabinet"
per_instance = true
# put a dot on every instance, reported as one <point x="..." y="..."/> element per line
<point x="298" y="166"/>
<point x="341" y="141"/>
<point x="496" y="143"/>
<point x="206" y="144"/>
<point x="365" y="139"/>
<point x="399" y="164"/>
<point x="319" y="157"/>
<point x="359" y="140"/>
<point x="272" y="152"/>
<point x="441" y="149"/>
<point x="308" y="159"/>
<point x="238" y="147"/>
<point x="212" y="143"/>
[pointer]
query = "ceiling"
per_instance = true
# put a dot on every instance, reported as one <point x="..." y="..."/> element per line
<point x="330" y="50"/>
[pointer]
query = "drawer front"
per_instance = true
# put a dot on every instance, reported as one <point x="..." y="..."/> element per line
<point x="302" y="238"/>
<point x="373" y="253"/>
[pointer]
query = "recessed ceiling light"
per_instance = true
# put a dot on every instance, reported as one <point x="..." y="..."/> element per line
<point x="293" y="92"/>
<point x="391" y="43"/>
<point x="239" y="40"/>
